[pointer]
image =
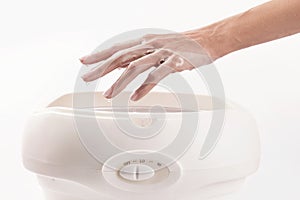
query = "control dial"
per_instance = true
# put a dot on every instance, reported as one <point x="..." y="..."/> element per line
<point x="136" y="172"/>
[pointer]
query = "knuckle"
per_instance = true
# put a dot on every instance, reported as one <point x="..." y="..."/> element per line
<point x="177" y="59"/>
<point x="156" y="42"/>
<point x="148" y="37"/>
<point x="132" y="66"/>
<point x="165" y="52"/>
<point x="178" y="63"/>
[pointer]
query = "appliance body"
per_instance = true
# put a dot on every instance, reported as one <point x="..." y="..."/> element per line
<point x="73" y="163"/>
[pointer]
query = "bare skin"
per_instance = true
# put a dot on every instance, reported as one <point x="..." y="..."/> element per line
<point x="270" y="21"/>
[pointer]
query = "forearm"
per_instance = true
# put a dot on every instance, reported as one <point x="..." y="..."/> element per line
<point x="270" y="21"/>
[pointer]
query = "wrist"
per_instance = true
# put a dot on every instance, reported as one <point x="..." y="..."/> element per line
<point x="215" y="39"/>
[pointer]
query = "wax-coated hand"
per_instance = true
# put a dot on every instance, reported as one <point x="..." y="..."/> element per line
<point x="166" y="53"/>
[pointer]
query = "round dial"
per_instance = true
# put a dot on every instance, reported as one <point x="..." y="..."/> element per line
<point x="137" y="172"/>
<point x="140" y="172"/>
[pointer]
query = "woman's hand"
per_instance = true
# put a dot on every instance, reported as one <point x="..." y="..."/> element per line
<point x="171" y="53"/>
<point x="167" y="53"/>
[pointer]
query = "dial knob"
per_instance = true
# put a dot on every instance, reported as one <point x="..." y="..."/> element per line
<point x="136" y="172"/>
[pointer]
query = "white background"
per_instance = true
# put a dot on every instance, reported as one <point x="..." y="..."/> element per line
<point x="41" y="42"/>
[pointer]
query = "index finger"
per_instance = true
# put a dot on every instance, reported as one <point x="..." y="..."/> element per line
<point x="103" y="55"/>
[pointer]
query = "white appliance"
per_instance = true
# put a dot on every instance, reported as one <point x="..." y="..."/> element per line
<point x="109" y="152"/>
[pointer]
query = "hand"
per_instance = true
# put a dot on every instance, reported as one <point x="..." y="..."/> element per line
<point x="168" y="53"/>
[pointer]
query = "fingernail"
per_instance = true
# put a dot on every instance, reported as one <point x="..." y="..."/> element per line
<point x="82" y="59"/>
<point x="107" y="94"/>
<point x="134" y="97"/>
<point x="84" y="77"/>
